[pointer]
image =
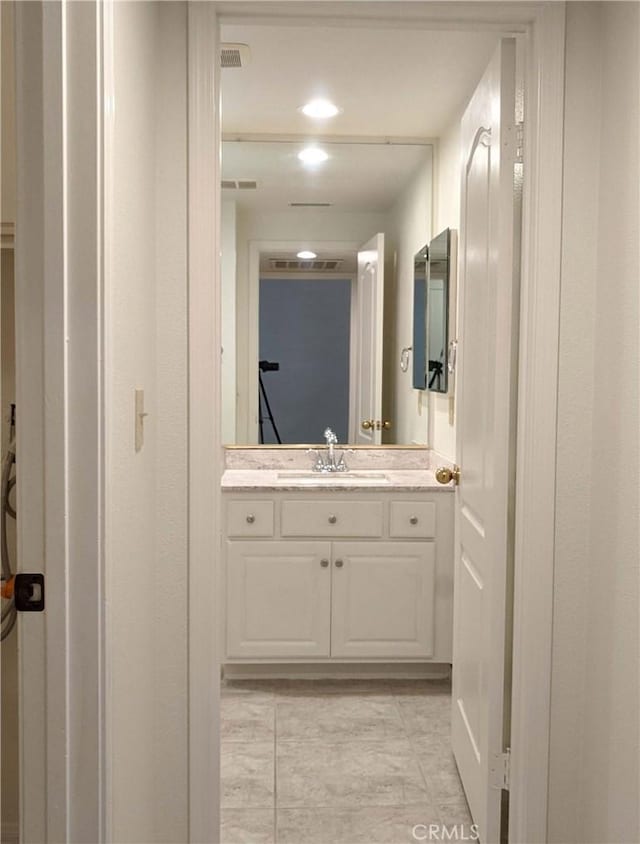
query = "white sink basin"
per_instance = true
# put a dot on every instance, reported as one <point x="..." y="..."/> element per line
<point x="333" y="478"/>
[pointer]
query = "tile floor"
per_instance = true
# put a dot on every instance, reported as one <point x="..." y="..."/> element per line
<point x="322" y="762"/>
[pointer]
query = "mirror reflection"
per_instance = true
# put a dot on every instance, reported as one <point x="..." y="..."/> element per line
<point x="314" y="268"/>
<point x="420" y="319"/>
<point x="439" y="262"/>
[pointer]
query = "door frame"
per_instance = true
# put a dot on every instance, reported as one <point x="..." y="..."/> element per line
<point x="60" y="399"/>
<point x="541" y="26"/>
<point x="65" y="211"/>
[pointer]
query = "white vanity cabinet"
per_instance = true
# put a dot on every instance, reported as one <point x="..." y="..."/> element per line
<point x="350" y="576"/>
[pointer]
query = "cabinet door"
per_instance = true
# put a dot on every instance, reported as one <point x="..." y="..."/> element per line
<point x="278" y="599"/>
<point x="383" y="599"/>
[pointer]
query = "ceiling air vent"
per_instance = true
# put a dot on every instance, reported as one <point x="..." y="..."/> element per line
<point x="317" y="266"/>
<point x="310" y="205"/>
<point x="234" y="55"/>
<point x="239" y="184"/>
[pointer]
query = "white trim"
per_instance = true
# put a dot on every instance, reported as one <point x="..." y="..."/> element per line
<point x="543" y="25"/>
<point x="10" y="833"/>
<point x="204" y="420"/>
<point x="8" y="235"/>
<point x="60" y="406"/>
<point x="359" y="140"/>
<point x="537" y="432"/>
<point x="29" y="259"/>
<point x="248" y="427"/>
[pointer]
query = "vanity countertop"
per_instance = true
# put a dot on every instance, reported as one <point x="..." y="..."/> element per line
<point x="387" y="480"/>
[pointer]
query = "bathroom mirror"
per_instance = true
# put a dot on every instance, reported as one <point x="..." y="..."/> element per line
<point x="437" y="312"/>
<point x="299" y="332"/>
<point x="420" y="319"/>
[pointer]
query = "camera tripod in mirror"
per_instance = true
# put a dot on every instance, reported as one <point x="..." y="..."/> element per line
<point x="266" y="366"/>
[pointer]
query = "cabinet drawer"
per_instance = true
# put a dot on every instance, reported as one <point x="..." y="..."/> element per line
<point x="250" y="518"/>
<point x="412" y="519"/>
<point x="332" y="518"/>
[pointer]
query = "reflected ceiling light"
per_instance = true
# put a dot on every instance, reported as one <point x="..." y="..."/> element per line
<point x="312" y="155"/>
<point x="320" y="109"/>
<point x="306" y="255"/>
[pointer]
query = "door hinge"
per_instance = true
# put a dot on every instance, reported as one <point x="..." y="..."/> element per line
<point x="520" y="143"/>
<point x="499" y="773"/>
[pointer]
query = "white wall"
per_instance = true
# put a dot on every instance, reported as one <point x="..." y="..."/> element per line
<point x="410" y="227"/>
<point x="594" y="759"/>
<point x="147" y="349"/>
<point x="292" y="224"/>
<point x="442" y="430"/>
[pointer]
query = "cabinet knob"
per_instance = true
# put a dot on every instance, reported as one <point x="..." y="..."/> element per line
<point x="339" y="564"/>
<point x="333" y="520"/>
<point x="414" y="520"/>
<point x="251" y="518"/>
<point x="324" y="563"/>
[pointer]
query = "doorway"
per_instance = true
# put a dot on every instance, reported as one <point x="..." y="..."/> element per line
<point x="409" y="219"/>
<point x="542" y="29"/>
<point x="304" y="331"/>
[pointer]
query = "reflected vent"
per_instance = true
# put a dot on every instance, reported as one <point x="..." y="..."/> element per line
<point x="239" y="184"/>
<point x="234" y="55"/>
<point x="319" y="266"/>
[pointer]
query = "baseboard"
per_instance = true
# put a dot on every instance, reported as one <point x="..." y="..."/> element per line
<point x="328" y="671"/>
<point x="10" y="833"/>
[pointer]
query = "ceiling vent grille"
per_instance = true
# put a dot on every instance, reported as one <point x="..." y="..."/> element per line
<point x="234" y="55"/>
<point x="291" y="264"/>
<point x="310" y="204"/>
<point x="239" y="184"/>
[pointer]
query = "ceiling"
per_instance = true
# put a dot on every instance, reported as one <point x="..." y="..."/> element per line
<point x="356" y="177"/>
<point x="389" y="82"/>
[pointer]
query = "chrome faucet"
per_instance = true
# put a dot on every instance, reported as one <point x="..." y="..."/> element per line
<point x="328" y="461"/>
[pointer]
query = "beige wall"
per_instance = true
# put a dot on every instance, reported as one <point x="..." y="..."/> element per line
<point x="8" y="161"/>
<point x="147" y="509"/>
<point x="228" y="294"/>
<point x="9" y="660"/>
<point x="442" y="429"/>
<point x="9" y="656"/>
<point x="594" y="759"/>
<point x="410" y="228"/>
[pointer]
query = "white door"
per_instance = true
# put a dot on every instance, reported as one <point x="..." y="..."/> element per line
<point x="383" y="599"/>
<point x="278" y="599"/>
<point x="367" y="420"/>
<point x="485" y="401"/>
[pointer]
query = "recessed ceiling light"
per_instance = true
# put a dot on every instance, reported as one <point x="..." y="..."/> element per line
<point x="312" y="155"/>
<point x="306" y="255"/>
<point x="320" y="109"/>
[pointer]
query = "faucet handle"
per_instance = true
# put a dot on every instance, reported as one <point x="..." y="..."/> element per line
<point x="318" y="463"/>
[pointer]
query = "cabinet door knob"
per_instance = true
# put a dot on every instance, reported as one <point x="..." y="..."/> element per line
<point x="251" y="518"/>
<point x="414" y="520"/>
<point x="324" y="563"/>
<point x="339" y="564"/>
<point x="333" y="520"/>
